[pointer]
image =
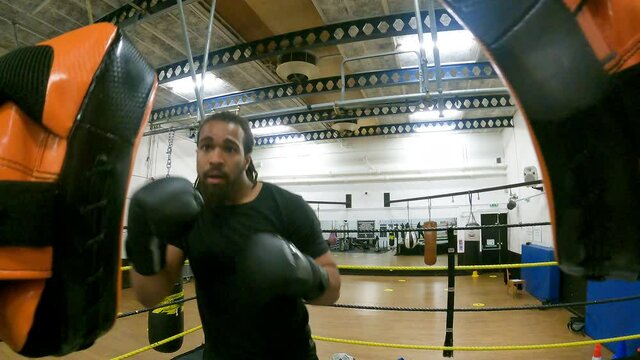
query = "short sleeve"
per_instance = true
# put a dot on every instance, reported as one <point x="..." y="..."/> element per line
<point x="303" y="228"/>
<point x="179" y="243"/>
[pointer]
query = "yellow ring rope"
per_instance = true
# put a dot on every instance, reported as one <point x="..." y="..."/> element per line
<point x="413" y="347"/>
<point x="479" y="348"/>
<point x="432" y="268"/>
<point x="155" y="344"/>
<point x="440" y="268"/>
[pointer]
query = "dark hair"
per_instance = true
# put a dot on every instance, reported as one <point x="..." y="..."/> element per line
<point x="247" y="143"/>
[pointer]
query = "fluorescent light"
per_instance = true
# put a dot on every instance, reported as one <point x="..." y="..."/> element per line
<point x="448" y="41"/>
<point x="433" y="115"/>
<point x="436" y="127"/>
<point x="213" y="86"/>
<point x="280" y="129"/>
<point x="289" y="140"/>
<point x="186" y="83"/>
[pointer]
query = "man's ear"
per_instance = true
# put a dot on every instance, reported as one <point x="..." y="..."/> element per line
<point x="247" y="161"/>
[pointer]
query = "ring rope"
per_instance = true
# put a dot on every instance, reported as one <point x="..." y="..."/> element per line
<point x="477" y="227"/>
<point x="433" y="268"/>
<point x="156" y="344"/>
<point x="478" y="348"/>
<point x="507" y="308"/>
<point x="440" y="268"/>
<point x="421" y="309"/>
<point x="414" y="347"/>
<point x="143" y="310"/>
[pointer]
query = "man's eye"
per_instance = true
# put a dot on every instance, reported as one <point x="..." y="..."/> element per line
<point x="230" y="149"/>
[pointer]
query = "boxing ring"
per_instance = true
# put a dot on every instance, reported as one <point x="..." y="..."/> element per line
<point x="449" y="349"/>
<point x="607" y="73"/>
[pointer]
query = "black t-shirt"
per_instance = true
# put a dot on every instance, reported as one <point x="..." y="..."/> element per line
<point x="234" y="326"/>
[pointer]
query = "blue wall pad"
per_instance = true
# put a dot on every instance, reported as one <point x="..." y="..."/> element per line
<point x="542" y="282"/>
<point x="615" y="319"/>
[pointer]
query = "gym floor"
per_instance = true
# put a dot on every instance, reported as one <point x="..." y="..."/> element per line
<point x="417" y="328"/>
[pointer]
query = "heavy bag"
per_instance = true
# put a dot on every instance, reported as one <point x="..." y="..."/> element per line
<point x="411" y="240"/>
<point x="401" y="235"/>
<point x="430" y="243"/>
<point x="392" y="238"/>
<point x="72" y="112"/>
<point x="333" y="239"/>
<point x="472" y="235"/>
<point x="168" y="321"/>
<point x="406" y="239"/>
<point x="582" y="114"/>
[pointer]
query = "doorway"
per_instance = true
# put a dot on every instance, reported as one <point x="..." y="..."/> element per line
<point x="495" y="242"/>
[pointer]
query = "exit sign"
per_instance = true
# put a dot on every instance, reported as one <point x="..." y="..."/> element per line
<point x="494" y="205"/>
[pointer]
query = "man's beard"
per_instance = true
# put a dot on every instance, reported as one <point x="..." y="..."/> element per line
<point x="215" y="194"/>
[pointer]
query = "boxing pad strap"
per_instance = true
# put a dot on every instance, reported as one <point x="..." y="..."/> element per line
<point x="23" y="204"/>
<point x="25" y="73"/>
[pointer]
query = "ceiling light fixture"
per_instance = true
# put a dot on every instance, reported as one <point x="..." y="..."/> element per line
<point x="435" y="128"/>
<point x="270" y="130"/>
<point x="433" y="115"/>
<point x="448" y="41"/>
<point x="213" y="86"/>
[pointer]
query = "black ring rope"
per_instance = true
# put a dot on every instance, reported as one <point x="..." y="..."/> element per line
<point x="493" y="226"/>
<point x="508" y="308"/>
<point x="420" y="309"/>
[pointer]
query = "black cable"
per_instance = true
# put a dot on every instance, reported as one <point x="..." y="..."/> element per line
<point x="487" y="309"/>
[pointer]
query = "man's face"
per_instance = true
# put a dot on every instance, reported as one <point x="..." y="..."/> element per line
<point x="221" y="162"/>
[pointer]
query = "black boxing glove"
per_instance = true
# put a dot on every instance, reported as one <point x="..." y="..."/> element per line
<point x="161" y="211"/>
<point x="273" y="266"/>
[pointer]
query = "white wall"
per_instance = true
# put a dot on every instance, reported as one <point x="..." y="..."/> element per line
<point x="532" y="204"/>
<point x="407" y="166"/>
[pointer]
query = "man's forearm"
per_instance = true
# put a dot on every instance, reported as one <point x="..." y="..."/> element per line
<point x="332" y="294"/>
<point x="151" y="290"/>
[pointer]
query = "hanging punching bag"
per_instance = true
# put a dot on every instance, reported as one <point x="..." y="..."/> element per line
<point x="407" y="237"/>
<point x="412" y="240"/>
<point x="392" y="238"/>
<point x="333" y="239"/>
<point x="168" y="321"/>
<point x="472" y="235"/>
<point x="430" y="242"/>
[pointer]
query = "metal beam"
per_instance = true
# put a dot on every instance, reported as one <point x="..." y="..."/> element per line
<point x="334" y="34"/>
<point x="368" y="80"/>
<point x="139" y="10"/>
<point x="329" y="115"/>
<point x="326" y="112"/>
<point x="382" y="130"/>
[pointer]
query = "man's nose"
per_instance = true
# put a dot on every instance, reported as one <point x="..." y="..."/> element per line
<point x="216" y="156"/>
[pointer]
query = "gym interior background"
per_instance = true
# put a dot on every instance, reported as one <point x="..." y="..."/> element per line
<point x="279" y="63"/>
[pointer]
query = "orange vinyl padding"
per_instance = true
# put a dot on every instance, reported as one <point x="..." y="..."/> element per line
<point x="18" y="301"/>
<point x="28" y="152"/>
<point x="612" y="27"/>
<point x="33" y="152"/>
<point x="25" y="262"/>
<point x="76" y="57"/>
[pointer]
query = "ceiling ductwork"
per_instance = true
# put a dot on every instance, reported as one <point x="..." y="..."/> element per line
<point x="297" y="66"/>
